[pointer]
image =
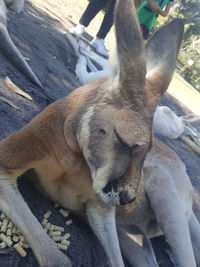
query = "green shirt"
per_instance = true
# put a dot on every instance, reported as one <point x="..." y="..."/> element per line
<point x="147" y="16"/>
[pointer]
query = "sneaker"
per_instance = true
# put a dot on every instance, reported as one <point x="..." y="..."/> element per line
<point x="99" y="46"/>
<point x="78" y="30"/>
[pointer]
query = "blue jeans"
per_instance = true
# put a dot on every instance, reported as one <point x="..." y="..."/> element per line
<point x="145" y="31"/>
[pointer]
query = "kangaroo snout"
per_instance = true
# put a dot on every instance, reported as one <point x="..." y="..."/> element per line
<point x="115" y="193"/>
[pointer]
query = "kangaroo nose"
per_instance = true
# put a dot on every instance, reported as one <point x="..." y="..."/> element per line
<point x="126" y="198"/>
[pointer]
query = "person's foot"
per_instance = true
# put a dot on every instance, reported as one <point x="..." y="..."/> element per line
<point x="99" y="46"/>
<point x="78" y="30"/>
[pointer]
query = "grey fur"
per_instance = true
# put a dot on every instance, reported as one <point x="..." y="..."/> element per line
<point x="164" y="207"/>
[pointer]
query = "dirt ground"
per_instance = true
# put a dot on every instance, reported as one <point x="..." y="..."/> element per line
<point x="39" y="32"/>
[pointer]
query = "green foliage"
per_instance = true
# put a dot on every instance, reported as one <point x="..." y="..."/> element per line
<point x="189" y="11"/>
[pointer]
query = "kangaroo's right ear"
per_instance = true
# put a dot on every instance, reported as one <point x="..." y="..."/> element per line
<point x="161" y="54"/>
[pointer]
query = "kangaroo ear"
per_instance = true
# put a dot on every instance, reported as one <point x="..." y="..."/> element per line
<point x="161" y="54"/>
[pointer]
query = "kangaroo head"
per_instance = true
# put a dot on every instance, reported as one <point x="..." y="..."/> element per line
<point x="115" y="132"/>
<point x="113" y="138"/>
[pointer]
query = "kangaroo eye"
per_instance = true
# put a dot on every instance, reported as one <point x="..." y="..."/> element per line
<point x="135" y="147"/>
<point x="102" y="131"/>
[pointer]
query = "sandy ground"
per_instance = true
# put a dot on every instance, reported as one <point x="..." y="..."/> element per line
<point x="39" y="34"/>
<point x="185" y="93"/>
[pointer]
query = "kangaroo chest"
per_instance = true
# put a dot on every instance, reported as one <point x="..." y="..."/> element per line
<point x="70" y="187"/>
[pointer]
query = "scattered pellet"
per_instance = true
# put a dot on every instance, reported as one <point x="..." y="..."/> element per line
<point x="9" y="242"/>
<point x="21" y="237"/>
<point x="57" y="238"/>
<point x="65" y="213"/>
<point x="68" y="222"/>
<point x="51" y="228"/>
<point x="4" y="225"/>
<point x="2" y="216"/>
<point x="47" y="214"/>
<point x="15" y="238"/>
<point x="2" y="245"/>
<point x="55" y="233"/>
<point x="24" y="245"/>
<point x="20" y="250"/>
<point x="56" y="205"/>
<point x="14" y="230"/>
<point x="66" y="236"/>
<point x="62" y="247"/>
<point x="6" y="239"/>
<point x="9" y="232"/>
<point x="47" y="226"/>
<point x="59" y="228"/>
<point x="44" y="222"/>
<point x="10" y="224"/>
<point x="65" y="242"/>
<point x="2" y="237"/>
<point x="17" y="231"/>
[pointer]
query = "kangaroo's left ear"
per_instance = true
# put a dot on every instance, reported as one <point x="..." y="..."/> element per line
<point x="161" y="54"/>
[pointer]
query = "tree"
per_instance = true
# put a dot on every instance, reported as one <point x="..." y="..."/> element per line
<point x="189" y="11"/>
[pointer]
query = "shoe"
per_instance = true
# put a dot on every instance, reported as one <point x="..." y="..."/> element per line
<point x="78" y="30"/>
<point x="99" y="46"/>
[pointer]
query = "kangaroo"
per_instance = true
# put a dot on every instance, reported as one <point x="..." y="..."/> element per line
<point x="163" y="206"/>
<point x="7" y="47"/>
<point x="168" y="124"/>
<point x="164" y="198"/>
<point x="164" y="201"/>
<point x="88" y="149"/>
<point x="85" y="59"/>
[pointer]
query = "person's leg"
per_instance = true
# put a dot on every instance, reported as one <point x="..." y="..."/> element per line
<point x="91" y="11"/>
<point x="107" y="21"/>
<point x="98" y="42"/>
<point x="145" y="31"/>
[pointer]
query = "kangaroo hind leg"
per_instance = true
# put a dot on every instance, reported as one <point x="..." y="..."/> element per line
<point x="136" y="247"/>
<point x="169" y="212"/>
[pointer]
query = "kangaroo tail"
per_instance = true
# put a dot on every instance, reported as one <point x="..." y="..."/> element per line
<point x="12" y="53"/>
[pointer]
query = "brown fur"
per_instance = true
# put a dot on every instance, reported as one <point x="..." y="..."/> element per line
<point x="88" y="149"/>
